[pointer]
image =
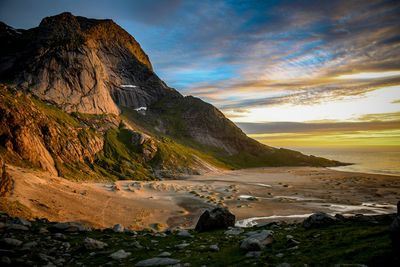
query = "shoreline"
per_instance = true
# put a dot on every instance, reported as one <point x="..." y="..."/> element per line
<point x="269" y="192"/>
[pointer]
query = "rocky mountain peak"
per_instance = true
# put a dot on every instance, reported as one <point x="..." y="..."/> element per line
<point x="80" y="64"/>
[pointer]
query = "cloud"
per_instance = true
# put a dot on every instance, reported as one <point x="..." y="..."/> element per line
<point x="241" y="54"/>
<point x="295" y="127"/>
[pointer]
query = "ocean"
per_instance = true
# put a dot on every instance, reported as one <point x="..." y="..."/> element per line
<point x="378" y="160"/>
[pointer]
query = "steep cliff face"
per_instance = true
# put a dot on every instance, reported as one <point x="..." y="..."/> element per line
<point x="43" y="139"/>
<point x="80" y="64"/>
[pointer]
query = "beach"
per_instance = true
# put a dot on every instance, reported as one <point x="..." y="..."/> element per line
<point x="253" y="195"/>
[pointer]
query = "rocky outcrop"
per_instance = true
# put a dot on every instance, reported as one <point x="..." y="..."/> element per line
<point x="31" y="135"/>
<point x="80" y="64"/>
<point x="218" y="218"/>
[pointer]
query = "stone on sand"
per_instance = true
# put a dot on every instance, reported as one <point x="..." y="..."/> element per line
<point x="218" y="218"/>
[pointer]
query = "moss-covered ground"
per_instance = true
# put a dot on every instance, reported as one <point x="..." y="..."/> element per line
<point x="352" y="242"/>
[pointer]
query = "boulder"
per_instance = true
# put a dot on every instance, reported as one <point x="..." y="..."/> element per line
<point x="395" y="230"/>
<point x="218" y="218"/>
<point x="318" y="219"/>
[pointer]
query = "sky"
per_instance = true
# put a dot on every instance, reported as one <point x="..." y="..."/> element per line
<point x="289" y="73"/>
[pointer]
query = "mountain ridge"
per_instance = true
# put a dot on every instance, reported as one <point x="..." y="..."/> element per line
<point x="91" y="78"/>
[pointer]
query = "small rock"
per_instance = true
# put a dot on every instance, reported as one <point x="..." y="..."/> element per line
<point x="234" y="231"/>
<point x="350" y="265"/>
<point x="214" y="248"/>
<point x="157" y="262"/>
<point x="120" y="254"/>
<point x="280" y="255"/>
<point x="15" y="226"/>
<point x="66" y="245"/>
<point x="257" y="240"/>
<point x="46" y="257"/>
<point x="182" y="246"/>
<point x="29" y="245"/>
<point x="253" y="254"/>
<point x="293" y="242"/>
<point x="136" y="245"/>
<point x="12" y="241"/>
<point x="318" y="219"/>
<point x="285" y="264"/>
<point x="251" y="244"/>
<point x="164" y="254"/>
<point x="340" y="217"/>
<point x="68" y="227"/>
<point x="43" y="230"/>
<point x="118" y="228"/>
<point x="184" y="233"/>
<point x="60" y="236"/>
<point x="22" y="221"/>
<point x="92" y="244"/>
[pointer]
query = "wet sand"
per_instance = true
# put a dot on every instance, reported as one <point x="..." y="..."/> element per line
<point x="253" y="195"/>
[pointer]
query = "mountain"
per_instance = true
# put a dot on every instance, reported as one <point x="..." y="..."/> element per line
<point x="80" y="99"/>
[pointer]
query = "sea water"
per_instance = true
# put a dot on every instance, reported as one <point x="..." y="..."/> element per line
<point x="378" y="160"/>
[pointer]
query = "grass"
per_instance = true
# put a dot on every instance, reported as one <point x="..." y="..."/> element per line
<point x="55" y="113"/>
<point x="343" y="243"/>
<point x="120" y="159"/>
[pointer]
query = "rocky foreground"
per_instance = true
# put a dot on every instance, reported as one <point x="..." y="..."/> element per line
<point x="321" y="240"/>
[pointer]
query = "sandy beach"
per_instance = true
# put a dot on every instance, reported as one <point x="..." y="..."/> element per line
<point x="253" y="195"/>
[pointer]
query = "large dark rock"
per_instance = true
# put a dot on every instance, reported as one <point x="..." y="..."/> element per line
<point x="395" y="230"/>
<point x="218" y="218"/>
<point x="318" y="219"/>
